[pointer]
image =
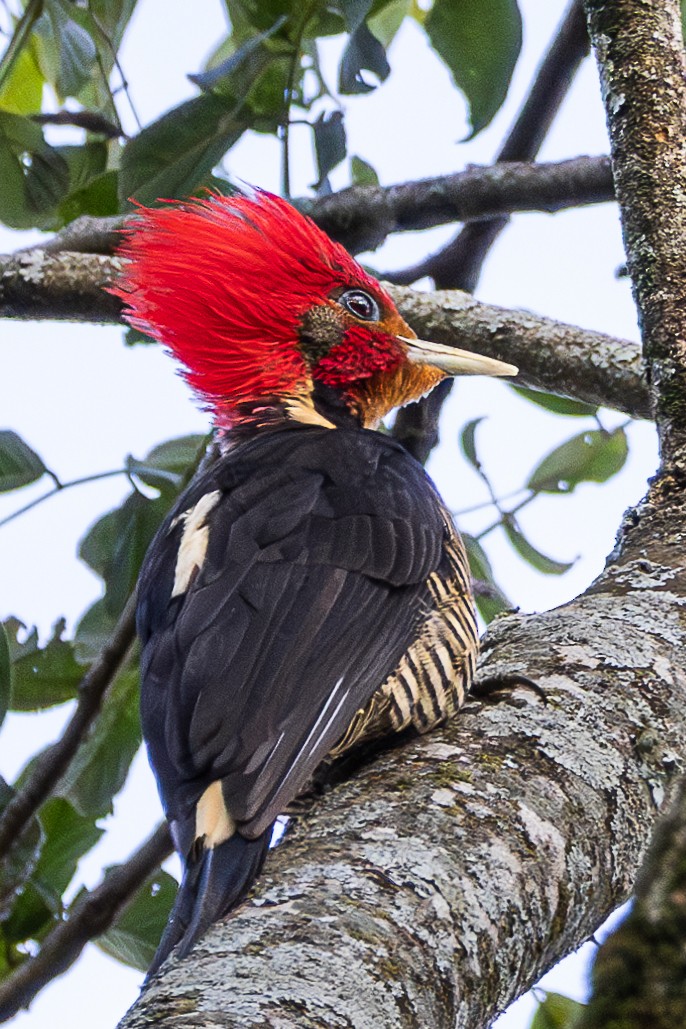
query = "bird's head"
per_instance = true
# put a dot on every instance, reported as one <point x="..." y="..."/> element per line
<point x="270" y="318"/>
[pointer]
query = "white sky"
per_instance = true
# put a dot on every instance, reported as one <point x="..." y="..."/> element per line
<point x="84" y="402"/>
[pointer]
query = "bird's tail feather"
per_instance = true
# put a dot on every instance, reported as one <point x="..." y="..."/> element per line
<point x="212" y="885"/>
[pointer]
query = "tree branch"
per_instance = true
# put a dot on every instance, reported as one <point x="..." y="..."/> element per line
<point x="396" y="903"/>
<point x="50" y="766"/>
<point x="362" y="217"/>
<point x="91" y="916"/>
<point x="551" y="355"/>
<point x="459" y="264"/>
<point x="40" y="284"/>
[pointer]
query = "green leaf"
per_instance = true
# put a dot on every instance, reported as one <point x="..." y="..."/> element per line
<point x="5" y="674"/>
<point x="468" y="443"/>
<point x="47" y="179"/>
<point x="134" y="936"/>
<point x="22" y="91"/>
<point x="225" y="71"/>
<point x="100" y="198"/>
<point x="362" y="173"/>
<point x="479" y="40"/>
<point x="115" y="546"/>
<point x="354" y="13"/>
<point x="102" y="762"/>
<point x="93" y="631"/>
<point x="134" y="338"/>
<point x="490" y="599"/>
<point x="556" y="404"/>
<point x="173" y="156"/>
<point x="34" y="175"/>
<point x="19" y="464"/>
<point x="41" y="676"/>
<point x="534" y="557"/>
<point x="111" y="17"/>
<point x="557" y="1012"/>
<point x="29" y="917"/>
<point x="73" y="54"/>
<point x="169" y="464"/>
<point x="592" y="456"/>
<point x="329" y="144"/>
<point x="67" y="837"/>
<point x="386" y="19"/>
<point x="364" y="52"/>
<point x="20" y="38"/>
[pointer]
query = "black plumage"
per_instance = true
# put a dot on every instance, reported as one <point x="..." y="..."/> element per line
<point x="307" y="593"/>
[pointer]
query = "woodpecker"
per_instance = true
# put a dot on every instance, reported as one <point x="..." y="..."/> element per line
<point x="308" y="593"/>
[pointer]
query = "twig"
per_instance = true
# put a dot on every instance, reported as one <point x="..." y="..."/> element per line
<point x="92" y="915"/>
<point x="49" y="766"/>
<point x="459" y="264"/>
<point x="59" y="486"/>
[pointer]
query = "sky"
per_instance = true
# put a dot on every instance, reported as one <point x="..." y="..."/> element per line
<point x="84" y="402"/>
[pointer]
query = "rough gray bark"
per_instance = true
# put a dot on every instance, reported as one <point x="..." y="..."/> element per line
<point x="443" y="880"/>
<point x="638" y="977"/>
<point x="640" y="50"/>
<point x="550" y="355"/>
<point x="362" y="217"/>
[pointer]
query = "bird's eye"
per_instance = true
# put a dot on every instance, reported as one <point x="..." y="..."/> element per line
<point x="361" y="305"/>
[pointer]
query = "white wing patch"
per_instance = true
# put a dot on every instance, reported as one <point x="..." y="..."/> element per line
<point x="193" y="546"/>
<point x="213" y="823"/>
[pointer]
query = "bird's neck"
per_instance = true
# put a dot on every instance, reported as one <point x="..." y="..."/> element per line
<point x="321" y="406"/>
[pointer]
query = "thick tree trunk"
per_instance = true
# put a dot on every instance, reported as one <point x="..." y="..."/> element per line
<point x="447" y="876"/>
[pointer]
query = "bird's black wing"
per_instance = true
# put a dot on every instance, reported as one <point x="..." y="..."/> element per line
<point x="273" y="604"/>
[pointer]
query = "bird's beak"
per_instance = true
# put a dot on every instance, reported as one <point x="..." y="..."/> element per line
<point x="454" y="361"/>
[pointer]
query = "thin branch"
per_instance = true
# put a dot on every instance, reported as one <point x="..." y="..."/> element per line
<point x="59" y="486"/>
<point x="50" y="766"/>
<point x="459" y="264"/>
<point x="91" y="917"/>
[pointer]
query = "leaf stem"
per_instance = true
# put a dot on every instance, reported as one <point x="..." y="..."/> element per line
<point x="288" y="100"/>
<point x="59" y="487"/>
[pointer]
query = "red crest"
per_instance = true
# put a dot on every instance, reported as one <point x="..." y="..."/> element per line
<point x="223" y="282"/>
